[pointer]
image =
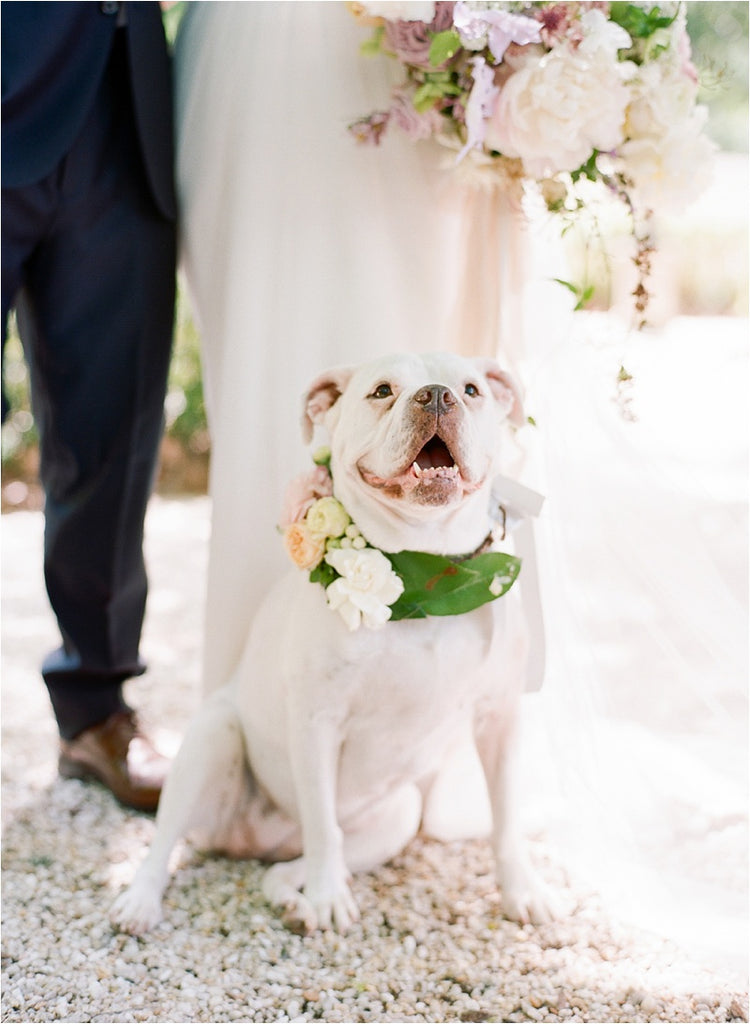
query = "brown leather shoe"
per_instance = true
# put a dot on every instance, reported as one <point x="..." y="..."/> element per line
<point x="119" y="756"/>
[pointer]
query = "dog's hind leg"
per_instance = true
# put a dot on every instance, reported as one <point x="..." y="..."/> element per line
<point x="373" y="837"/>
<point x="208" y="773"/>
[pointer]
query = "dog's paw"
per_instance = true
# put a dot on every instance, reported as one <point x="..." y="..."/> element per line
<point x="526" y="898"/>
<point x="137" y="910"/>
<point x="312" y="909"/>
<point x="337" y="909"/>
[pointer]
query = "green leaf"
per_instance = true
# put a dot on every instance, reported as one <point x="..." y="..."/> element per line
<point x="588" y="170"/>
<point x="444" y="46"/>
<point x="372" y="46"/>
<point x="425" y="97"/>
<point x="434" y="585"/>
<point x="638" y="22"/>
<point x="433" y="90"/>
<point x="324" y="574"/>
<point x="585" y="297"/>
<point x="567" y="284"/>
<point x="582" y="294"/>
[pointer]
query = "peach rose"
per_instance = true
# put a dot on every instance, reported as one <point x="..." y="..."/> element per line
<point x="304" y="548"/>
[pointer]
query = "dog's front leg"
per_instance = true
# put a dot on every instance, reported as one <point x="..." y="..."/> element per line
<point x="525" y="897"/>
<point x="208" y="765"/>
<point x="316" y="737"/>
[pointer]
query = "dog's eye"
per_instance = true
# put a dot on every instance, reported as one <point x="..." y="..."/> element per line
<point x="382" y="391"/>
<point x="471" y="390"/>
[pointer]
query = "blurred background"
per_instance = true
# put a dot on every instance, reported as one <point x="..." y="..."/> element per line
<point x="701" y="269"/>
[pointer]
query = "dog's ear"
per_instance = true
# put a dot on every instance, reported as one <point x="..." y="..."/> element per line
<point x="324" y="392"/>
<point x="505" y="390"/>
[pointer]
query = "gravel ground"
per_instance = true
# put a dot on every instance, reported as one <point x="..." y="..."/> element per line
<point x="431" y="946"/>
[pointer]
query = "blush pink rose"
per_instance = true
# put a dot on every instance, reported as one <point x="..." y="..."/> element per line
<point x="411" y="40"/>
<point x="303" y="492"/>
<point x="417" y="126"/>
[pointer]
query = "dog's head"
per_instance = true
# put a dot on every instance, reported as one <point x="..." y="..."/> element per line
<point x="415" y="442"/>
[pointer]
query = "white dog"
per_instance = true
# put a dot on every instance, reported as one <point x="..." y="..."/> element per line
<point x="318" y="754"/>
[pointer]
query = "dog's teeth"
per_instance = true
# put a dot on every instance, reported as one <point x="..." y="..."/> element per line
<point x="433" y="472"/>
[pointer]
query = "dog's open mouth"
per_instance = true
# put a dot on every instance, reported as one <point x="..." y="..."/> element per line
<point x="434" y="460"/>
<point x="432" y="473"/>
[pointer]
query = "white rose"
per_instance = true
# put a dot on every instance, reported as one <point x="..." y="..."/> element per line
<point x="554" y="111"/>
<point x="401" y="10"/>
<point x="366" y="587"/>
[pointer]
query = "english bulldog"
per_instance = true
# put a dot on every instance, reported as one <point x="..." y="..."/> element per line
<point x="318" y="755"/>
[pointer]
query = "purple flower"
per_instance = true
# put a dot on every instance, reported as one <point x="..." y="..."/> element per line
<point x="496" y="29"/>
<point x="480" y="105"/>
<point x="369" y="130"/>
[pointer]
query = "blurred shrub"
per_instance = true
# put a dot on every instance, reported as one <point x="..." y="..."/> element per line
<point x="185" y="451"/>
<point x="719" y="40"/>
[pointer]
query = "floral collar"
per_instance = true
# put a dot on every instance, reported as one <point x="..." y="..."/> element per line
<point x="368" y="586"/>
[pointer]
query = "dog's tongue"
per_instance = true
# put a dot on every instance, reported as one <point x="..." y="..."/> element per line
<point x="434" y="455"/>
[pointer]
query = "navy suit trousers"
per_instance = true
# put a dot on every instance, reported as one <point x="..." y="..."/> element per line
<point x="89" y="263"/>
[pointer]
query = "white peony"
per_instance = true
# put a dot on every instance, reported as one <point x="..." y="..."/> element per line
<point x="665" y="154"/>
<point x="366" y="587"/>
<point x="401" y="10"/>
<point x="662" y="95"/>
<point x="555" y="110"/>
<point x="668" y="171"/>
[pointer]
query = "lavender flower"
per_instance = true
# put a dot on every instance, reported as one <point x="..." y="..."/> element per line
<point x="480" y="27"/>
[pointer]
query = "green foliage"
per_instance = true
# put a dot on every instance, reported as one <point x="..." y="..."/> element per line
<point x="444" y="46"/>
<point x="583" y="293"/>
<point x="638" y="22"/>
<point x="437" y="85"/>
<point x="372" y="46"/>
<point x="19" y="431"/>
<point x="434" y="585"/>
<point x="324" y="574"/>
<point x="171" y="18"/>
<point x="184" y="407"/>
<point x="719" y="39"/>
<point x="587" y="170"/>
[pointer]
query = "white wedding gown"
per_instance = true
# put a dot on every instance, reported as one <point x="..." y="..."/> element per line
<point x="303" y="249"/>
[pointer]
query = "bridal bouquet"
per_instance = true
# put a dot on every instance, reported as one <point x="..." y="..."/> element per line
<point x="555" y="94"/>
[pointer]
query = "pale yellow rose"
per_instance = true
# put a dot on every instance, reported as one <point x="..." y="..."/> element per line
<point x="327" y="517"/>
<point x="304" y="548"/>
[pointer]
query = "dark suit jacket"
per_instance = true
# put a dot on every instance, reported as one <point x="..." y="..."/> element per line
<point x="53" y="58"/>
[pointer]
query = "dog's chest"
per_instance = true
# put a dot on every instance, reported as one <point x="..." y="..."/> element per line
<point x="404" y="705"/>
<point x="390" y="701"/>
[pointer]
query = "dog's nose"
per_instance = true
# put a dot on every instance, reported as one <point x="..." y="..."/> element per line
<point x="435" y="398"/>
